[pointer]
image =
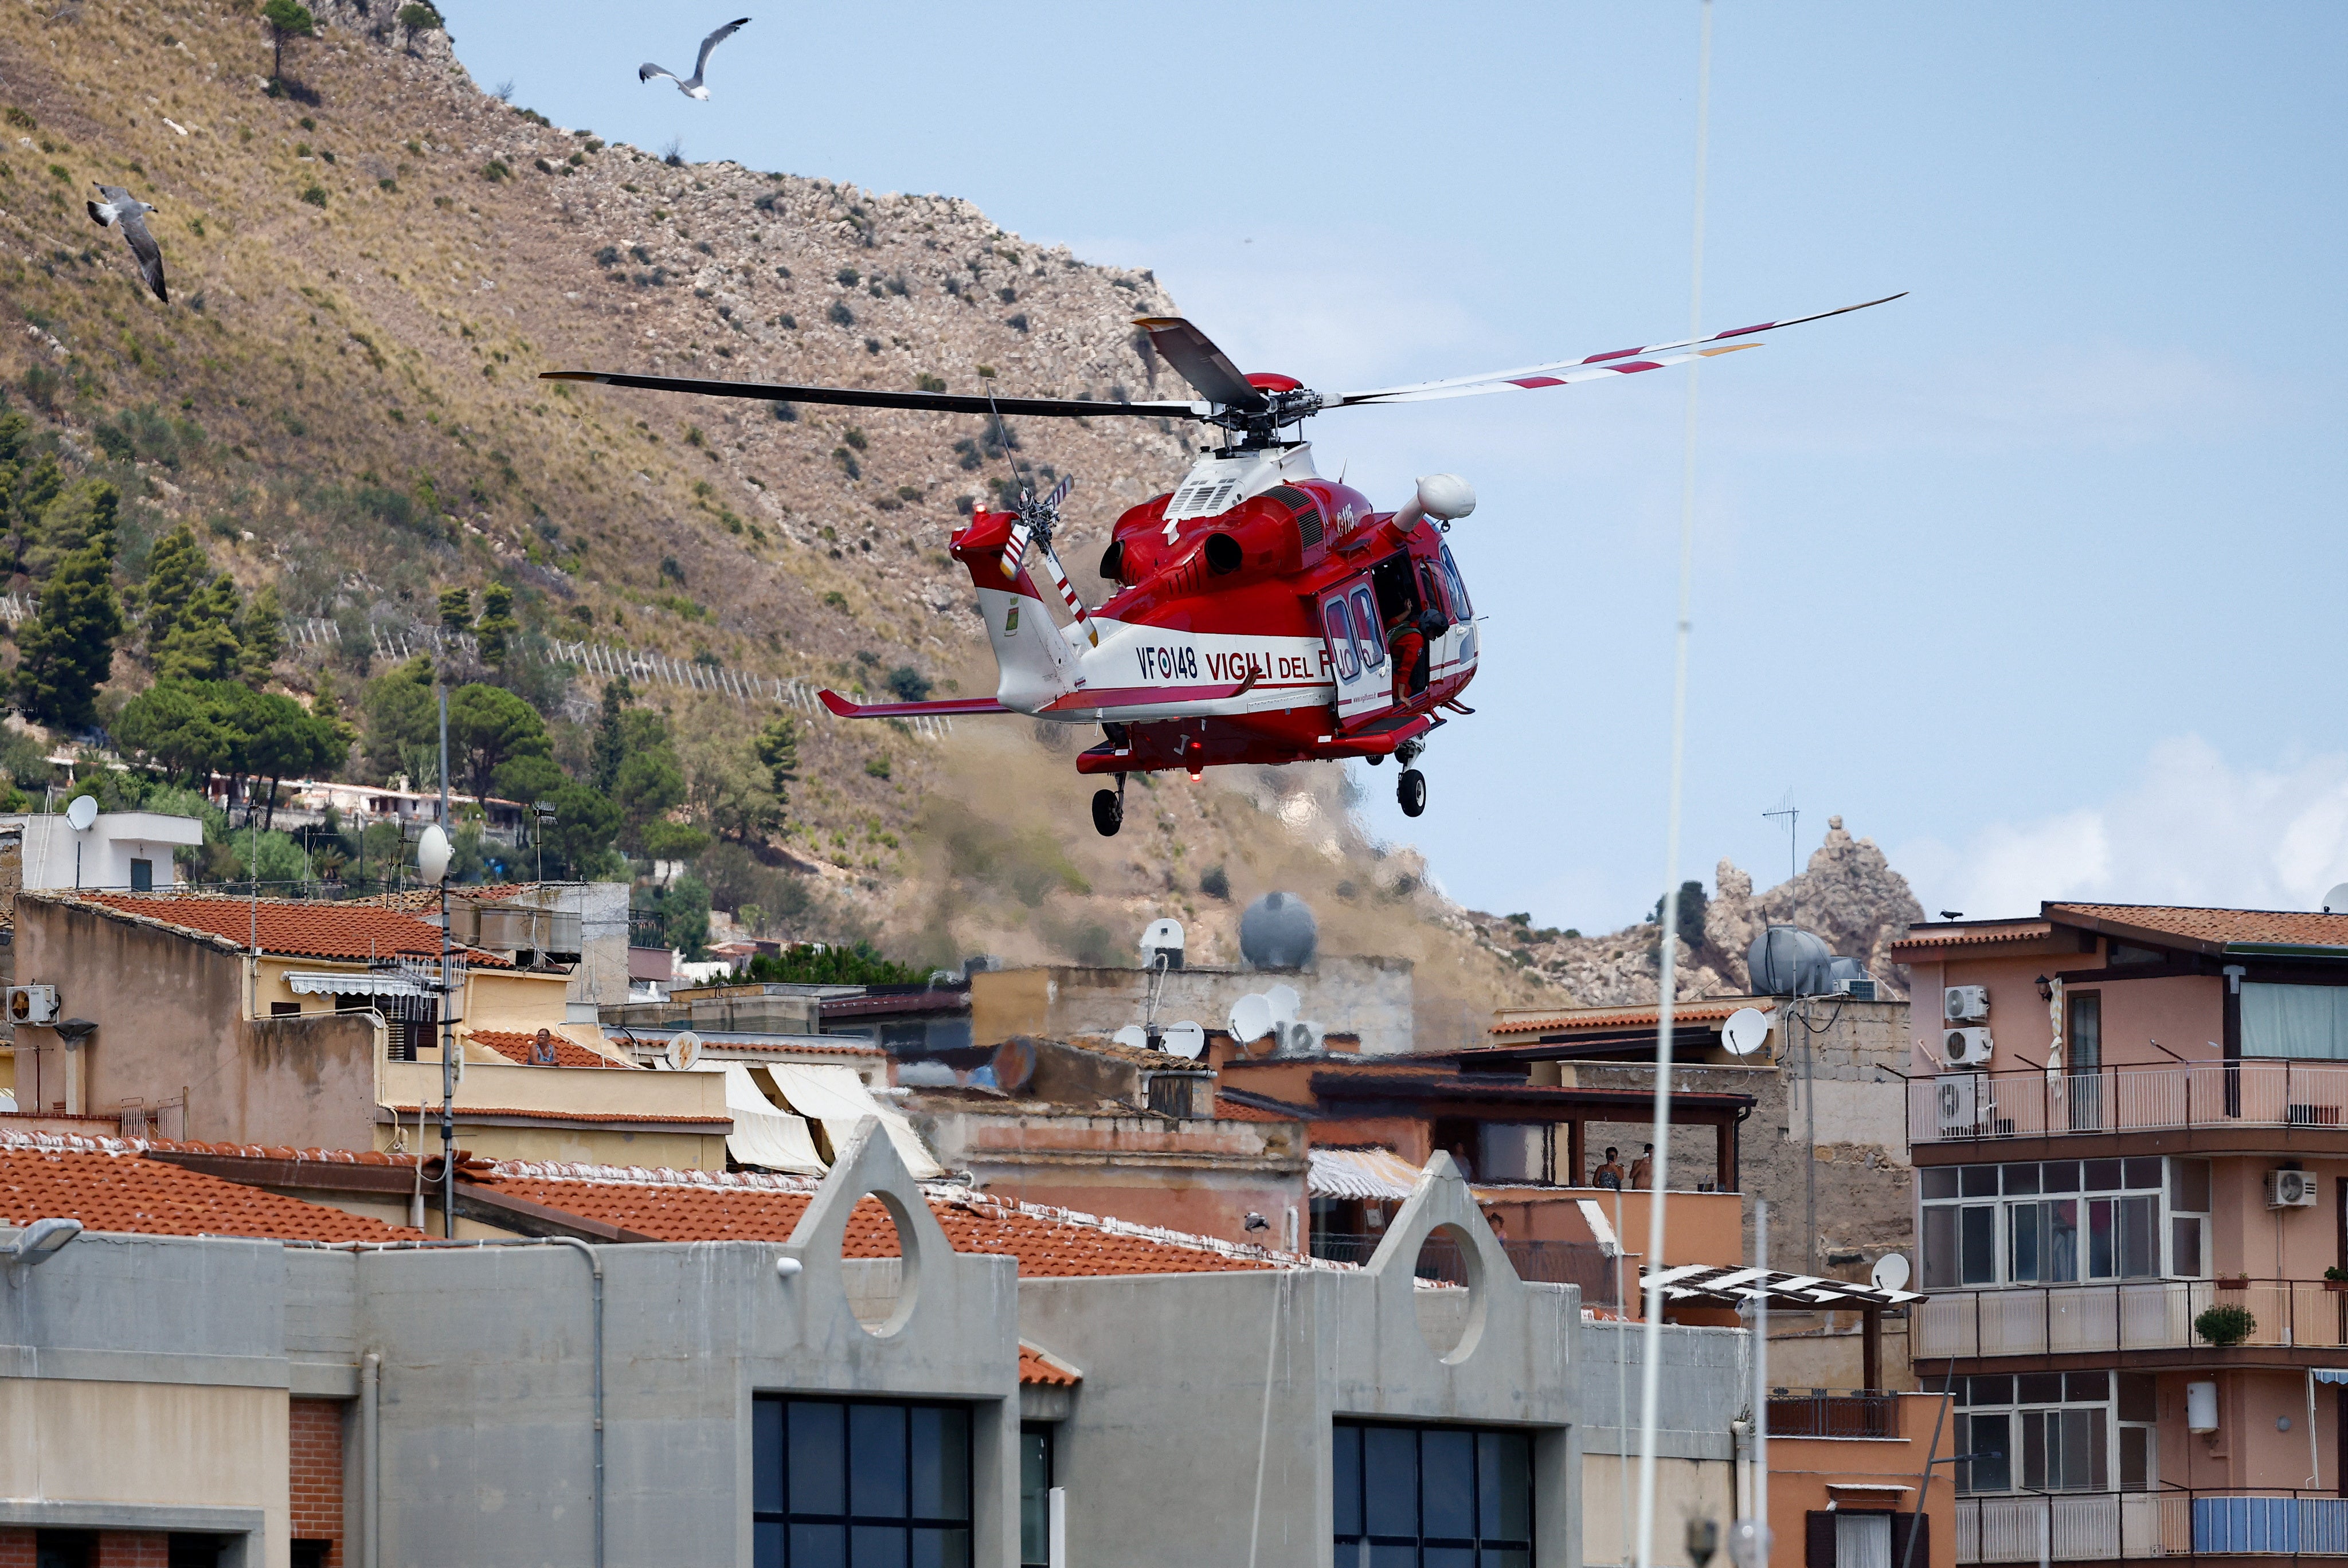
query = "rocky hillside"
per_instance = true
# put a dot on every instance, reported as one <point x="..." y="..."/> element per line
<point x="1848" y="893"/>
<point x="370" y="263"/>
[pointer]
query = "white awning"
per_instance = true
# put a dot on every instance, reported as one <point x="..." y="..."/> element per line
<point x="1795" y="1292"/>
<point x="348" y="983"/>
<point x="837" y="1097"/>
<point x="1377" y="1174"/>
<point x="764" y="1134"/>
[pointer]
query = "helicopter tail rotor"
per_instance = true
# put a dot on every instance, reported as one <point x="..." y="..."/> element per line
<point x="1038" y="519"/>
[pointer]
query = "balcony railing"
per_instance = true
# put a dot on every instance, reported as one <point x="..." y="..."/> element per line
<point x="2152" y="1315"/>
<point x="2101" y="1526"/>
<point x="1970" y="1107"/>
<point x="1580" y="1263"/>
<point x="1825" y="1413"/>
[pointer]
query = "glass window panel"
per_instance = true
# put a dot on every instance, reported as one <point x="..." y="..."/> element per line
<point x="2022" y="1179"/>
<point x="2086" y="1387"/>
<point x="2062" y="1258"/>
<point x="1863" y="1541"/>
<point x="767" y="1457"/>
<point x="1940" y="1181"/>
<point x="2024" y="1224"/>
<point x="1977" y="1180"/>
<point x="2144" y="1171"/>
<point x="1341" y="640"/>
<point x="1345" y="1477"/>
<point x="877" y="1546"/>
<point x="2100" y="1175"/>
<point x="1392" y="1557"/>
<point x="1446" y="1484"/>
<point x="2185" y="1246"/>
<point x="1990" y="1442"/>
<point x="2080" y="1466"/>
<point x="2083" y="1038"/>
<point x="1507" y="1557"/>
<point x="1458" y="586"/>
<point x="818" y="1445"/>
<point x="1390" y="1480"/>
<point x="1447" y="1557"/>
<point x="2039" y="1388"/>
<point x="940" y="1461"/>
<point x="1979" y="1245"/>
<point x="944" y="1549"/>
<point x="2102" y="1222"/>
<point x="2136" y="1458"/>
<point x="819" y="1546"/>
<point x="767" y="1544"/>
<point x="1365" y="630"/>
<point x="1505" y="1486"/>
<point x="1939" y="1248"/>
<point x="2291" y="1020"/>
<point x="2059" y="1176"/>
<point x="1035" y="1496"/>
<point x="2189" y="1185"/>
<point x="2034" y="1449"/>
<point x="876" y="1462"/>
<point x="2140" y="1237"/>
<point x="2140" y="1397"/>
<point x="1993" y="1390"/>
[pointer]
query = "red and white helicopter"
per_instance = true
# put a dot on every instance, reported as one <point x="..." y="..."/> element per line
<point x="1262" y="613"/>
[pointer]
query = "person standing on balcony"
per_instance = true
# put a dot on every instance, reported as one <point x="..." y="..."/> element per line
<point x="1643" y="1169"/>
<point x="1609" y="1174"/>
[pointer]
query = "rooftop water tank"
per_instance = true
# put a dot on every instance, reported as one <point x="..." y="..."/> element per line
<point x="1278" y="932"/>
<point x="1788" y="961"/>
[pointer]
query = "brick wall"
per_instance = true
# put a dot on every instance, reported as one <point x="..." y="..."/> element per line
<point x="16" y="1549"/>
<point x="315" y="1432"/>
<point x="133" y="1548"/>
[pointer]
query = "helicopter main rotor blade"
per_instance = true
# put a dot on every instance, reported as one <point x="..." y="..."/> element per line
<point x="1197" y="360"/>
<point x="867" y="397"/>
<point x="1566" y="372"/>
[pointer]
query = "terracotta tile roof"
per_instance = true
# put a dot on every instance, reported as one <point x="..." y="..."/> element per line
<point x="2208" y="928"/>
<point x="1230" y="1110"/>
<point x="703" y="1206"/>
<point x="515" y="1045"/>
<point x="1042" y="1368"/>
<point x="1926" y="938"/>
<point x="1709" y="1009"/>
<point x="118" y="1191"/>
<point x="353" y="933"/>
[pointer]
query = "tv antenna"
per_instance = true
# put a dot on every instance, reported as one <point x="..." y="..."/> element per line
<point x="1793" y="815"/>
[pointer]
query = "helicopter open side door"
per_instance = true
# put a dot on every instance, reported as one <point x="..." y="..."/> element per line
<point x="1357" y="647"/>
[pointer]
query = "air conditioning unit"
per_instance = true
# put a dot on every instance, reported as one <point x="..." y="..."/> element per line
<point x="32" y="1004"/>
<point x="1964" y="1004"/>
<point x="2289" y="1190"/>
<point x="1965" y="1047"/>
<point x="1857" y="990"/>
<point x="1961" y="1105"/>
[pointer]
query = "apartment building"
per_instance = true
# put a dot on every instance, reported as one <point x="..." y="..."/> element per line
<point x="2132" y="1176"/>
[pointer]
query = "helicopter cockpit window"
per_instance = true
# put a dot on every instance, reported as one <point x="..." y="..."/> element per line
<point x="1461" y="610"/>
<point x="1365" y="630"/>
<point x="1341" y="640"/>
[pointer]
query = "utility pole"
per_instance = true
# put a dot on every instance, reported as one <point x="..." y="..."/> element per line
<point x="448" y="1023"/>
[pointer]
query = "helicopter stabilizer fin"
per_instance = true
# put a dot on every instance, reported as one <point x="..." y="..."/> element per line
<point x="841" y="708"/>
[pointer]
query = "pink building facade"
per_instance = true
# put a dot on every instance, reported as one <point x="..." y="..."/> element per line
<point x="2130" y="1125"/>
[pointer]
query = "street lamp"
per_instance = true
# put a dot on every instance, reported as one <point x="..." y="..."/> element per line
<point x="37" y="1244"/>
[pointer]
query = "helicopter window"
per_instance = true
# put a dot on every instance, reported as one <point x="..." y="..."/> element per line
<point x="1341" y="640"/>
<point x="1366" y="634"/>
<point x="1396" y="592"/>
<point x="1462" y="609"/>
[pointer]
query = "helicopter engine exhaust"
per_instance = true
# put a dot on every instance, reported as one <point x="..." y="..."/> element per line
<point x="1446" y="497"/>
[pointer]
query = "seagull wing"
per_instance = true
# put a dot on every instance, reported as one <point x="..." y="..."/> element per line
<point x="648" y="72"/>
<point x="701" y="65"/>
<point x="150" y="255"/>
<point x="117" y="202"/>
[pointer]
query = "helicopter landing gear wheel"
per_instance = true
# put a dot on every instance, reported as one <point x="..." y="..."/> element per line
<point x="1109" y="812"/>
<point x="1410" y="790"/>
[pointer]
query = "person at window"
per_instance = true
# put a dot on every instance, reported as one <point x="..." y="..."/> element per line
<point x="1407" y="646"/>
<point x="1643" y="1170"/>
<point x="1609" y="1174"/>
<point x="542" y="1049"/>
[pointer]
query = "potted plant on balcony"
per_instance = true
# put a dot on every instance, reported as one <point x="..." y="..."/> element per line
<point x="2336" y="1278"/>
<point x="2226" y="1326"/>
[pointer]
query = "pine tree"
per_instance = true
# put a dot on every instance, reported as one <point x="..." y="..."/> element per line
<point x="456" y="608"/>
<point x="610" y="739"/>
<point x="176" y="572"/>
<point x="779" y="749"/>
<point x="497" y="623"/>
<point x="204" y="644"/>
<point x="262" y="631"/>
<point x="68" y="651"/>
<point x="70" y="519"/>
<point x="36" y="486"/>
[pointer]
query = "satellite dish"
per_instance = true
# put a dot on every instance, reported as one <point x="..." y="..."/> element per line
<point x="1251" y="1018"/>
<point x="81" y="813"/>
<point x="1890" y="1272"/>
<point x="1284" y="1002"/>
<point x="1133" y="1035"/>
<point x="1162" y="938"/>
<point x="1186" y="1040"/>
<point x="2336" y="901"/>
<point x="1746" y="1031"/>
<point x="683" y="1051"/>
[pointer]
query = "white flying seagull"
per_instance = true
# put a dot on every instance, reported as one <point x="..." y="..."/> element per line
<point x="691" y="87"/>
<point x="122" y="210"/>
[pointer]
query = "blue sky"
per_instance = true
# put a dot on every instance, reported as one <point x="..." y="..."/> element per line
<point x="2036" y="576"/>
